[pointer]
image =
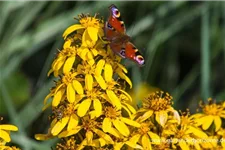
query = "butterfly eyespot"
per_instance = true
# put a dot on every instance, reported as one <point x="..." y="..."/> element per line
<point x="122" y="53"/>
<point x="109" y="26"/>
<point x="140" y="60"/>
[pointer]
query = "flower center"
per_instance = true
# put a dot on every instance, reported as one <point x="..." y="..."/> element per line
<point x="111" y="112"/>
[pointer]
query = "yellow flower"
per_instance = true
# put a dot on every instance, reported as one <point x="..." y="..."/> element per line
<point x="92" y="28"/>
<point x="186" y="135"/>
<point x="158" y="105"/>
<point x="144" y="136"/>
<point x="212" y="113"/>
<point x="65" y="59"/>
<point x="115" y="124"/>
<point x="5" y="136"/>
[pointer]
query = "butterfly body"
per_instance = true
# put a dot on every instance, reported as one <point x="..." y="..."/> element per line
<point x="115" y="32"/>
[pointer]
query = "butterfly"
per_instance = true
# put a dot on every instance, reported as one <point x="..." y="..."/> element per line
<point x="115" y="33"/>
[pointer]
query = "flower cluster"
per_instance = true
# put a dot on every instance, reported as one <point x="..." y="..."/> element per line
<point x="5" y="136"/>
<point x="92" y="110"/>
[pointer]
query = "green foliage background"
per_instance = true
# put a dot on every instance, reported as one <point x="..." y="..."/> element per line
<point x="183" y="44"/>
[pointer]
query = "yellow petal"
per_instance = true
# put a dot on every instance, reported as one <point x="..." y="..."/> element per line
<point x="161" y="117"/>
<point x="118" y="145"/>
<point x="146" y="115"/>
<point x="123" y="76"/>
<point x="121" y="127"/>
<point x="183" y="145"/>
<point x="155" y="138"/>
<point x="86" y="39"/>
<point x="125" y="93"/>
<point x="94" y="52"/>
<point x="131" y="108"/>
<point x="99" y="67"/>
<point x="59" y="126"/>
<point x="108" y="72"/>
<point x="42" y="137"/>
<point x="83" y="53"/>
<point x="72" y="29"/>
<point x="73" y="122"/>
<point x="104" y="136"/>
<point x="130" y="122"/>
<point x="47" y="98"/>
<point x="89" y="137"/>
<point x="106" y="125"/>
<point x="115" y="132"/>
<point x="217" y="122"/>
<point x="88" y="82"/>
<point x="84" y="107"/>
<point x="133" y="140"/>
<point x="122" y="67"/>
<point x="57" y="97"/>
<point x="101" y="82"/>
<point x="93" y="33"/>
<point x="98" y="107"/>
<point x="207" y="122"/>
<point x="146" y="142"/>
<point x="5" y="136"/>
<point x="8" y="127"/>
<point x="68" y="64"/>
<point x="70" y="93"/>
<point x="67" y="44"/>
<point x="78" y="87"/>
<point x="114" y="99"/>
<point x="197" y="132"/>
<point x="70" y="132"/>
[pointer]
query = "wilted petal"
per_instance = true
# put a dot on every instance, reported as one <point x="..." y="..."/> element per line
<point x="146" y="115"/>
<point x="88" y="82"/>
<point x="70" y="93"/>
<point x="72" y="29"/>
<point x="161" y="117"/>
<point x="84" y="107"/>
<point x="108" y="72"/>
<point x="59" y="126"/>
<point x="121" y="127"/>
<point x="68" y="64"/>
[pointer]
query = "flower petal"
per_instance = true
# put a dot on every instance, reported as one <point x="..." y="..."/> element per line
<point x="161" y="117"/>
<point x="99" y="67"/>
<point x="70" y="132"/>
<point x="59" y="126"/>
<point x="104" y="136"/>
<point x="197" y="132"/>
<point x="72" y="29"/>
<point x="78" y="87"/>
<point x="114" y="99"/>
<point x="88" y="82"/>
<point x="207" y="122"/>
<point x="8" y="127"/>
<point x="155" y="138"/>
<point x="5" y="136"/>
<point x="73" y="122"/>
<point x="108" y="72"/>
<point x="121" y="127"/>
<point x="93" y="33"/>
<point x="133" y="140"/>
<point x="68" y="64"/>
<point x="57" y="98"/>
<point x="146" y="142"/>
<point x="84" y="107"/>
<point x="217" y="122"/>
<point x="70" y="93"/>
<point x="106" y="125"/>
<point x="89" y="137"/>
<point x="145" y="116"/>
<point x="98" y="107"/>
<point x="130" y="122"/>
<point x="183" y="145"/>
<point x="101" y="82"/>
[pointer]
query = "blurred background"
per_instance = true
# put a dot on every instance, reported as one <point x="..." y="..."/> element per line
<point x="183" y="44"/>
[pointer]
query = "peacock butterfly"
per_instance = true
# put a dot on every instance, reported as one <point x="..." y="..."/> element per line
<point x="115" y="33"/>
